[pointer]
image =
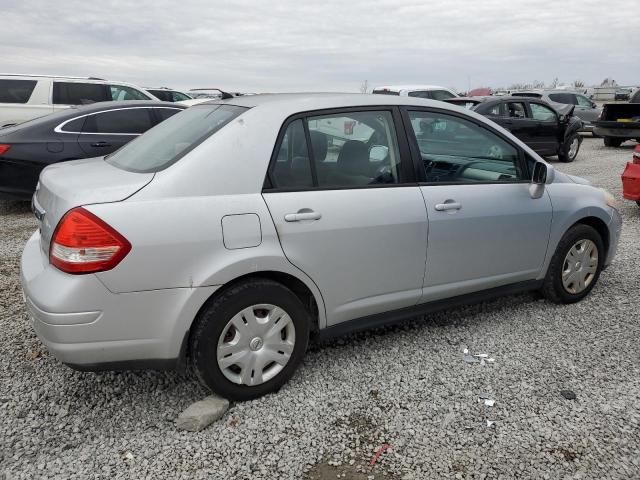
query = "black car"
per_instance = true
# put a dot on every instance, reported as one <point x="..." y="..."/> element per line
<point x="78" y="132"/>
<point x="547" y="130"/>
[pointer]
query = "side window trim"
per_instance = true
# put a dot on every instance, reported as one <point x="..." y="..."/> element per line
<point x="59" y="128"/>
<point x="417" y="159"/>
<point x="406" y="160"/>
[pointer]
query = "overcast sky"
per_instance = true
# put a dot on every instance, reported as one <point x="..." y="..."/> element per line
<point x="328" y="45"/>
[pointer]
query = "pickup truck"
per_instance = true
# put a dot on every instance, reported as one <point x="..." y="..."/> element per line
<point x="619" y="122"/>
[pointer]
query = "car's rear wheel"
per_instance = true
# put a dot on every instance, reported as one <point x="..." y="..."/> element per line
<point x="575" y="266"/>
<point x="570" y="148"/>
<point x="612" y="142"/>
<point x="249" y="340"/>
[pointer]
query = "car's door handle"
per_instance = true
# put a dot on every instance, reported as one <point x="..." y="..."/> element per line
<point x="100" y="144"/>
<point x="303" y="214"/>
<point x="448" y="205"/>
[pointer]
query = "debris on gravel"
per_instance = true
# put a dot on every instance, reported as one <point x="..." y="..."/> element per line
<point x="404" y="386"/>
<point x="203" y="413"/>
<point x="568" y="394"/>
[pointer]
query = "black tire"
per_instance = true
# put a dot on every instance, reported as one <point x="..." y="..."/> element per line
<point x="638" y="202"/>
<point x="213" y="319"/>
<point x="564" y="154"/>
<point x="552" y="288"/>
<point x="612" y="142"/>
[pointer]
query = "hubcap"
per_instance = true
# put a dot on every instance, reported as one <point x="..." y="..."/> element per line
<point x="256" y="344"/>
<point x="573" y="148"/>
<point x="580" y="266"/>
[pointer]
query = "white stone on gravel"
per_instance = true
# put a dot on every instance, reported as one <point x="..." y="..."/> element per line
<point x="200" y="415"/>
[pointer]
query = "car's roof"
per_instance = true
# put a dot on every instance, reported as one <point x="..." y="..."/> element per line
<point x="399" y="88"/>
<point x="97" y="106"/>
<point x="475" y="98"/>
<point x="301" y="102"/>
<point x="29" y="75"/>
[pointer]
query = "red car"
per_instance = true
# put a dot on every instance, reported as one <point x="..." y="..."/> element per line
<point x="631" y="178"/>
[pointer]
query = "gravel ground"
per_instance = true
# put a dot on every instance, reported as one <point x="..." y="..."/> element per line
<point x="407" y="387"/>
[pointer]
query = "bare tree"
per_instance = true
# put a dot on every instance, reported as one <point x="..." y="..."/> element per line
<point x="538" y="84"/>
<point x="578" y="84"/>
<point x="554" y="82"/>
<point x="364" y="87"/>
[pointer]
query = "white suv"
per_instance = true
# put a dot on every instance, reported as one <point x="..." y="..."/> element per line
<point x="23" y="97"/>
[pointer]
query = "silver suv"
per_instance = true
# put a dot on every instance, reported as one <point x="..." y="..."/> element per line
<point x="235" y="231"/>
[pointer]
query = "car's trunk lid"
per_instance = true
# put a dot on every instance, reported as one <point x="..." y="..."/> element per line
<point x="67" y="185"/>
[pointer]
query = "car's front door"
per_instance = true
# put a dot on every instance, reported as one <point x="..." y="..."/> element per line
<point x="348" y="211"/>
<point x="517" y="122"/>
<point x="485" y="230"/>
<point x="548" y="130"/>
<point x="105" y="132"/>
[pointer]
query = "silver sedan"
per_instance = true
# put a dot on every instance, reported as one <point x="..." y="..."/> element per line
<point x="235" y="231"/>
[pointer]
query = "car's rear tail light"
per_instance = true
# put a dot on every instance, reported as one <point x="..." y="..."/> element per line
<point x="636" y="155"/>
<point x="83" y="243"/>
<point x="4" y="148"/>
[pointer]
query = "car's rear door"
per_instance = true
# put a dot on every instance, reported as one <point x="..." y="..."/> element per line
<point x="485" y="230"/>
<point x="348" y="211"/>
<point x="104" y="132"/>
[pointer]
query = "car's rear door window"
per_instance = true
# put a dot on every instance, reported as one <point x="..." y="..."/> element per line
<point x="78" y="93"/>
<point x="16" y="91"/>
<point x="455" y="150"/>
<point x="516" y="110"/>
<point x="129" y="121"/>
<point x="170" y="140"/>
<point x="344" y="150"/>
<point x="166" y="112"/>
<point x="441" y="94"/>
<point x="562" y="97"/>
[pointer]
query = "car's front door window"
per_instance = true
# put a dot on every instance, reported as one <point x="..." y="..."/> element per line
<point x="455" y="150"/>
<point x="121" y="92"/>
<point x="542" y="113"/>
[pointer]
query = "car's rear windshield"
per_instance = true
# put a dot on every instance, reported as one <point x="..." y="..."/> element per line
<point x="171" y="140"/>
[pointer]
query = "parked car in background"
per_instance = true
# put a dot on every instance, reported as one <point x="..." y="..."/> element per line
<point x="631" y="178"/>
<point x="622" y="94"/>
<point x="213" y="93"/>
<point x="432" y="92"/>
<point x="586" y="109"/>
<point x="229" y="234"/>
<point x="23" y="97"/>
<point x="635" y="96"/>
<point x="547" y="130"/>
<point x="618" y="123"/>
<point x="76" y="132"/>
<point x="168" y="94"/>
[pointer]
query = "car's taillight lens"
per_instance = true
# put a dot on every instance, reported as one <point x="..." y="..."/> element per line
<point x="4" y="148"/>
<point x="636" y="155"/>
<point x="83" y="243"/>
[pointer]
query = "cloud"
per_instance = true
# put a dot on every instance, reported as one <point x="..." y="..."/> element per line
<point x="330" y="45"/>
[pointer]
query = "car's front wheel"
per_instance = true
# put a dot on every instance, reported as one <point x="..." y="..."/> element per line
<point x="575" y="266"/>
<point x="570" y="148"/>
<point x="248" y="341"/>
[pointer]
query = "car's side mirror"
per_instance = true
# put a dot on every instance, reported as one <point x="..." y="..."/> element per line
<point x="542" y="174"/>
<point x="378" y="153"/>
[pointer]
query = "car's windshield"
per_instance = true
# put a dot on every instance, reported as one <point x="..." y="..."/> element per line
<point x="166" y="143"/>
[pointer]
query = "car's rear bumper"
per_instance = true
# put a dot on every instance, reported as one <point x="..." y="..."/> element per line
<point x="85" y="325"/>
<point x="627" y="132"/>
<point x="631" y="182"/>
